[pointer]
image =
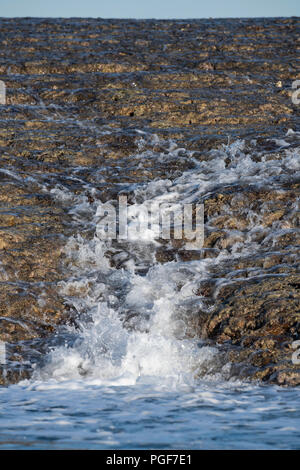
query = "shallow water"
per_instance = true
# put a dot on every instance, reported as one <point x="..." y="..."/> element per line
<point x="78" y="415"/>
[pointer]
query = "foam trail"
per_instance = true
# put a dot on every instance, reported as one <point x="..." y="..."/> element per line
<point x="135" y="327"/>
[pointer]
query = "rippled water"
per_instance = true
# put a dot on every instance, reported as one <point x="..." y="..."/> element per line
<point x="88" y="415"/>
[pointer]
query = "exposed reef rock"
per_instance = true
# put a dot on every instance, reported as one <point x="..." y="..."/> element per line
<point x="79" y="92"/>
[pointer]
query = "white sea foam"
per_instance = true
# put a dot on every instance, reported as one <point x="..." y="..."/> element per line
<point x="155" y="344"/>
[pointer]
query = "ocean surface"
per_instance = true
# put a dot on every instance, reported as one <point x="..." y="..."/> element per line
<point x="128" y="373"/>
<point x="150" y="414"/>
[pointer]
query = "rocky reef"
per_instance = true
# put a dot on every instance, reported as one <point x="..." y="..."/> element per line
<point x="199" y="83"/>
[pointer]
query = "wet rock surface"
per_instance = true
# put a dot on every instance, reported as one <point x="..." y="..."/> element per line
<point x="79" y="93"/>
